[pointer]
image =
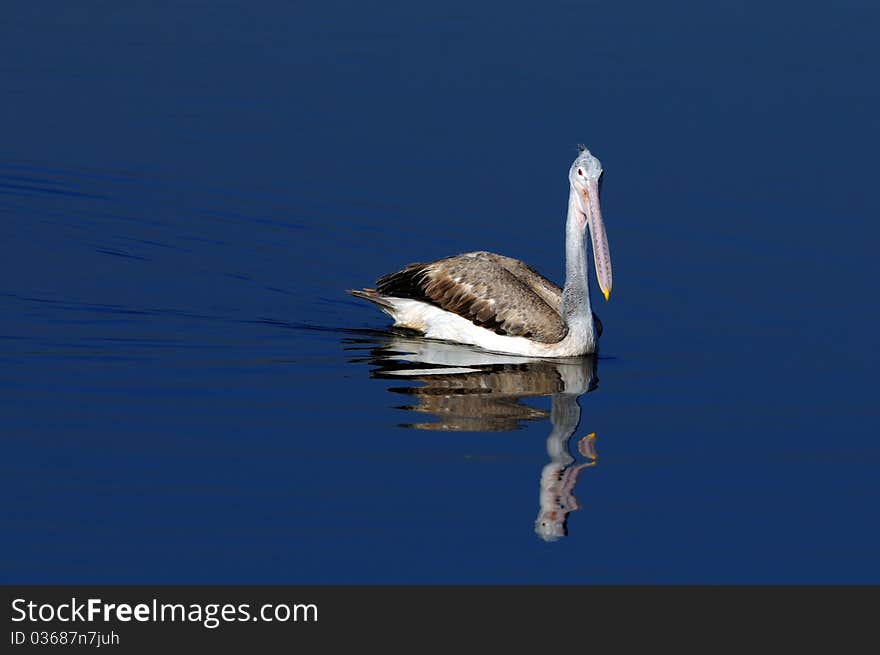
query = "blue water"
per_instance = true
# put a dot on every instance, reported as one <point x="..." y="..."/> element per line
<point x="187" y="395"/>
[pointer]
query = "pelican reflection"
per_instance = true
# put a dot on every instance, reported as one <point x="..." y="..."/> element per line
<point x="464" y="389"/>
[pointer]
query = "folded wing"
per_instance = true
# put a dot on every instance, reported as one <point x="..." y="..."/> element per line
<point x="498" y="293"/>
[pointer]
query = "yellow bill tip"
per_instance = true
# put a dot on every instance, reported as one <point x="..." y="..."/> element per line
<point x="607" y="294"/>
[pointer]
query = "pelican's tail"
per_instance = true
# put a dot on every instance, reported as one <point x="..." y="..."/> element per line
<point x="406" y="312"/>
<point x="374" y="297"/>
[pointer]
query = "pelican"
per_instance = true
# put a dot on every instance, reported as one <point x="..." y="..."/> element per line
<point x="501" y="304"/>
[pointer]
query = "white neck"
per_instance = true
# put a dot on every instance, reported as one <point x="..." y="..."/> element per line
<point x="576" y="309"/>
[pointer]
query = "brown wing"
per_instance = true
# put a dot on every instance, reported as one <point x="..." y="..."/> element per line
<point x="481" y="287"/>
<point x="549" y="292"/>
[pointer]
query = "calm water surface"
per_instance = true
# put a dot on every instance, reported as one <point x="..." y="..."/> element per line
<point x="187" y="395"/>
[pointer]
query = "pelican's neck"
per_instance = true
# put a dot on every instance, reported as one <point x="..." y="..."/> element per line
<point x="576" y="308"/>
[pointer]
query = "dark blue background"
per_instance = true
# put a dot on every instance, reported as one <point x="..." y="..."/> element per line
<point x="187" y="189"/>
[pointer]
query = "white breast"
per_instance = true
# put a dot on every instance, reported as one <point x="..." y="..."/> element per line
<point x="437" y="323"/>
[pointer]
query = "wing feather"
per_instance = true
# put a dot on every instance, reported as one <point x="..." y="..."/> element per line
<point x="495" y="292"/>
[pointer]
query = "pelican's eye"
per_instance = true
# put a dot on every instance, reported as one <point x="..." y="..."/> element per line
<point x="580" y="172"/>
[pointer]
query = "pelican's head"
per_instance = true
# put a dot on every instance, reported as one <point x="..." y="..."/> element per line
<point x="583" y="176"/>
